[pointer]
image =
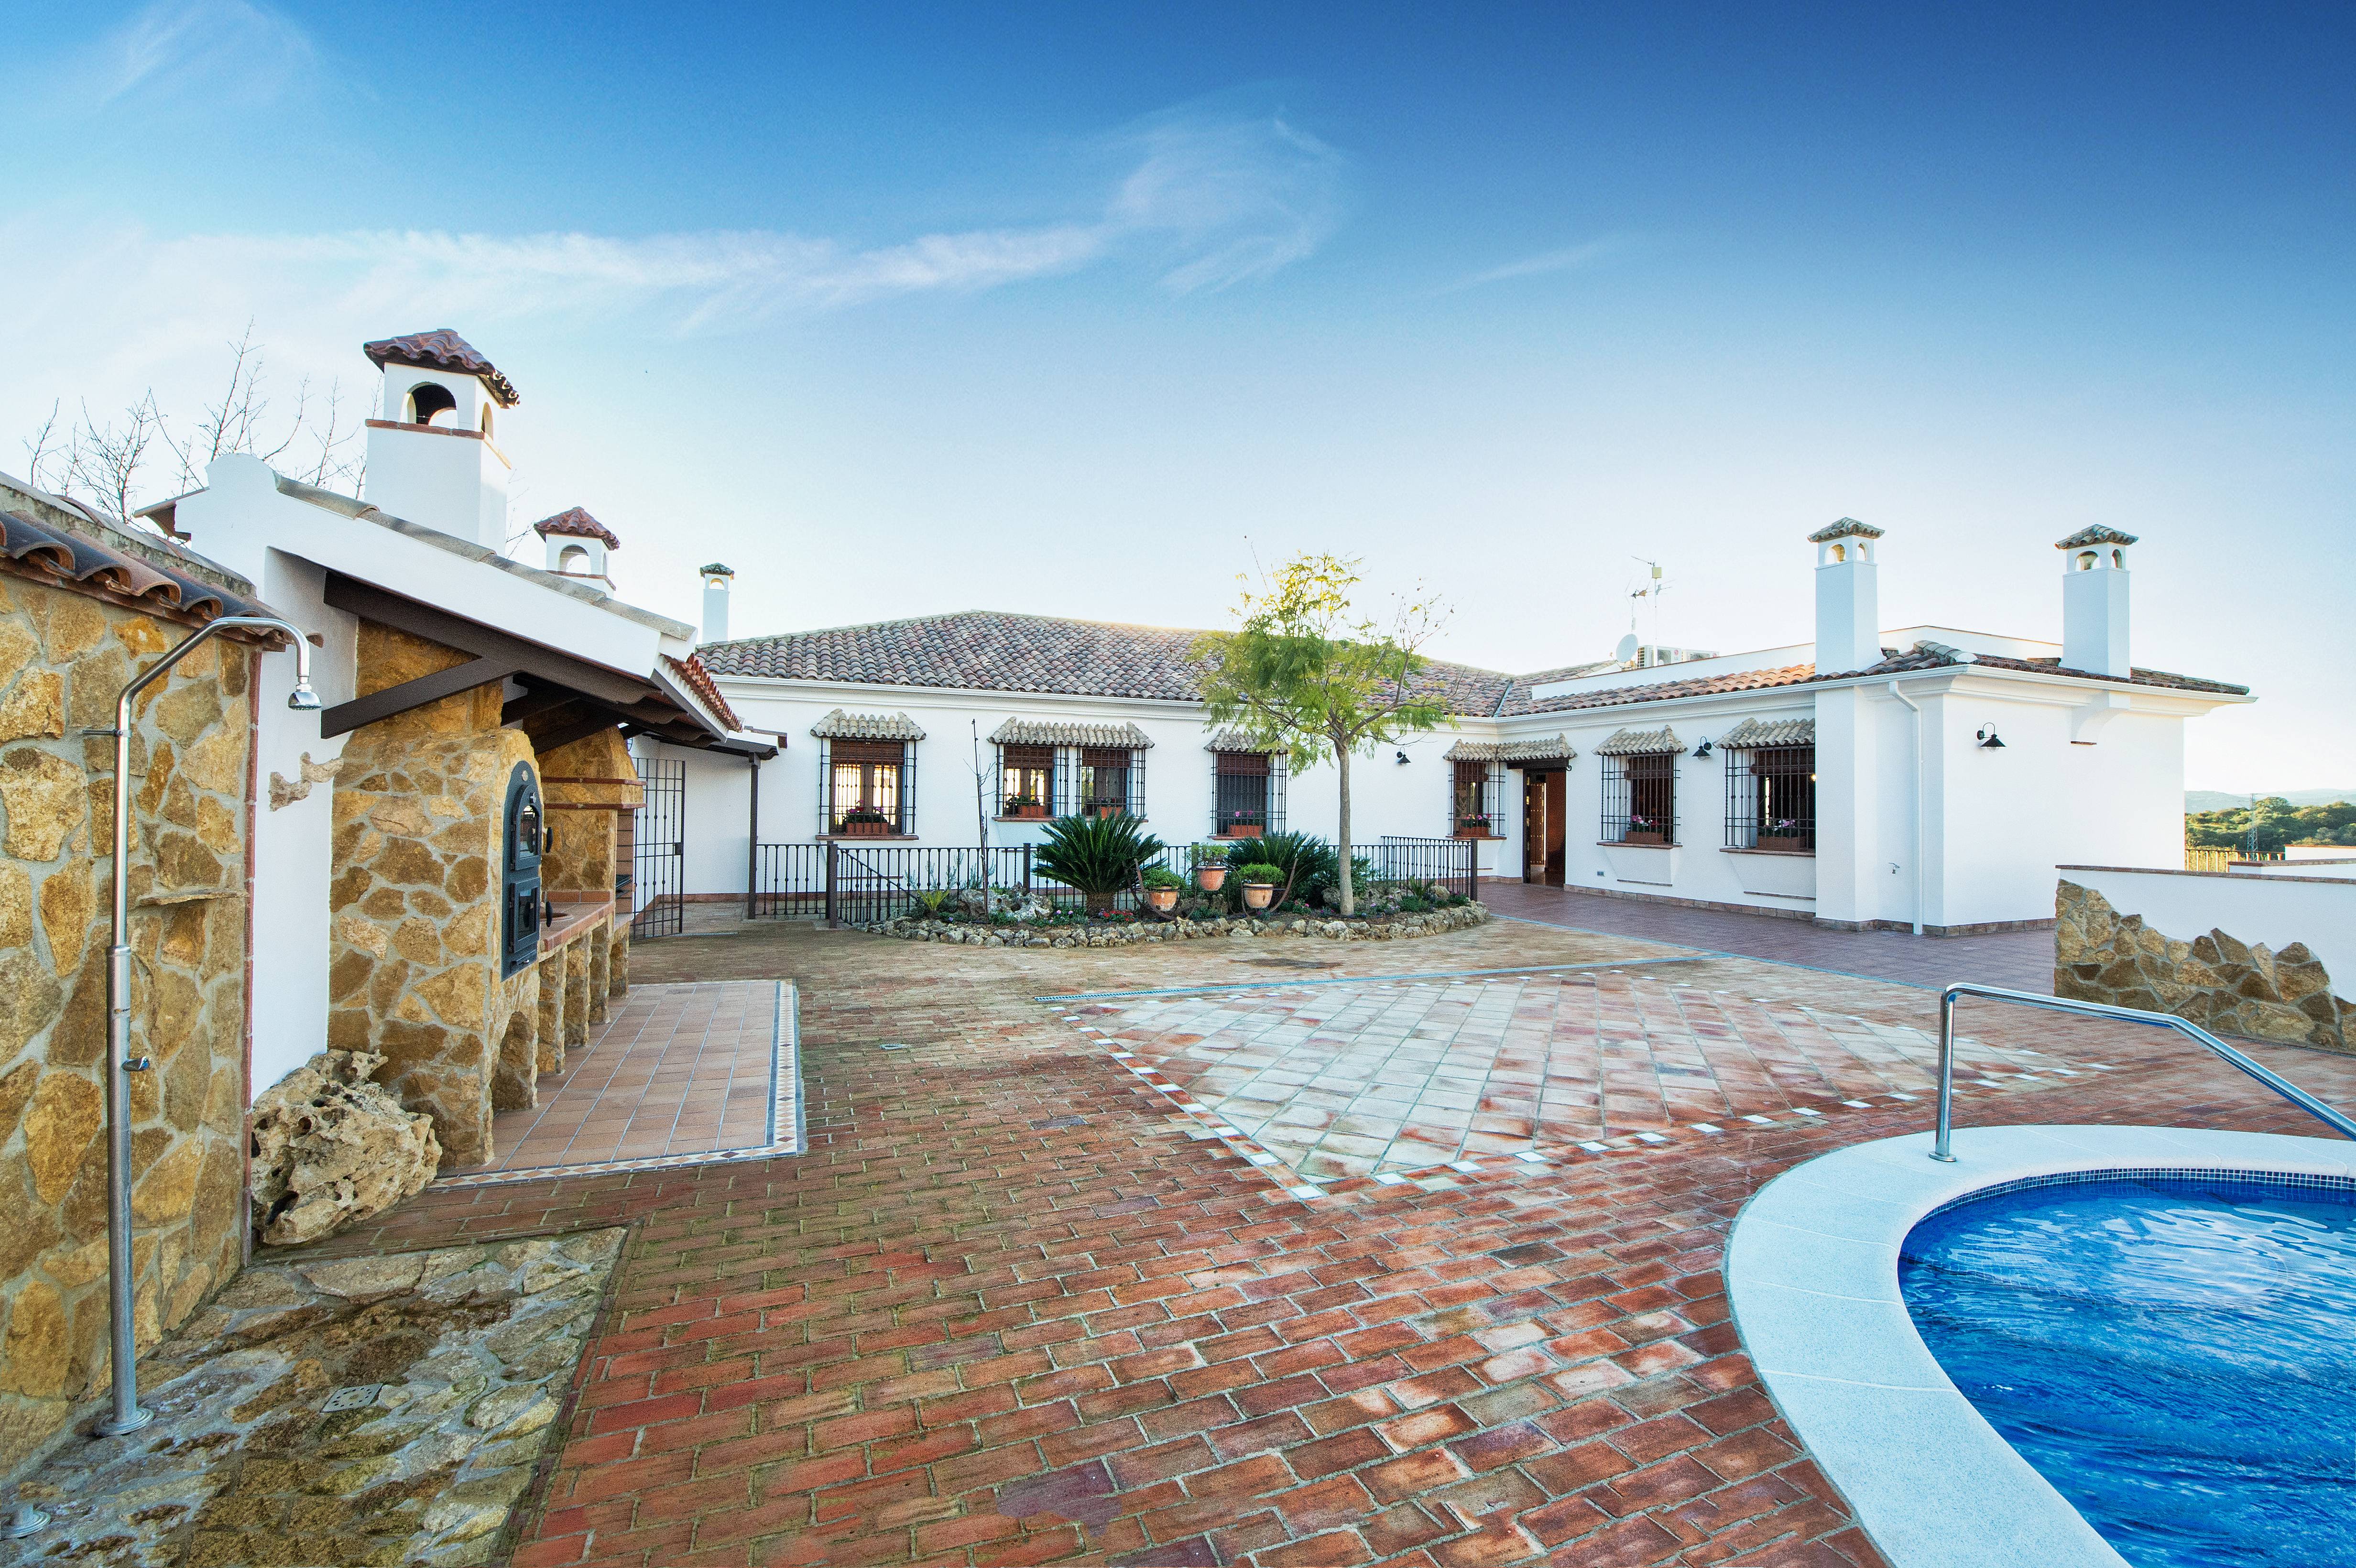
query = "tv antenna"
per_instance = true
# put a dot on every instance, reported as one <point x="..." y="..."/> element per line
<point x="1652" y="589"/>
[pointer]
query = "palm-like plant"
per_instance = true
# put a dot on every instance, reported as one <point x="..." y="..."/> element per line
<point x="1100" y="855"/>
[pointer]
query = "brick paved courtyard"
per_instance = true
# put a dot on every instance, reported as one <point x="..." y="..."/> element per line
<point x="1018" y="1303"/>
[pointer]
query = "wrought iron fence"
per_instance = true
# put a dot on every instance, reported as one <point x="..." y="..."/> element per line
<point x="1453" y="864"/>
<point x="845" y="882"/>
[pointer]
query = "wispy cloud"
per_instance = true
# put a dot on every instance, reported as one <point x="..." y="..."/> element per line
<point x="1562" y="261"/>
<point x="229" y="49"/>
<point x="1193" y="201"/>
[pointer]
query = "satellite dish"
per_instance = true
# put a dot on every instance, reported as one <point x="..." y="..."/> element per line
<point x="1627" y="649"/>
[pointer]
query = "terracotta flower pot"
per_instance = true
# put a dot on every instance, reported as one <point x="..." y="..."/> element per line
<point x="1163" y="900"/>
<point x="1211" y="876"/>
<point x="864" y="829"/>
<point x="1036" y="810"/>
<point x="1258" y="895"/>
<point x="1243" y="830"/>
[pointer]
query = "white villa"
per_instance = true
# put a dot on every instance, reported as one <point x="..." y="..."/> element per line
<point x="1919" y="777"/>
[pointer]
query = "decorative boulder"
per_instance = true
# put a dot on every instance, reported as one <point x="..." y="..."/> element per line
<point x="331" y="1148"/>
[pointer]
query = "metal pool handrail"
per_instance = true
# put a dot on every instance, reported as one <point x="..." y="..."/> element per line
<point x="2288" y="1091"/>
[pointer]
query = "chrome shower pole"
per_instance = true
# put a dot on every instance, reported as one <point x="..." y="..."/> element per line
<point x="126" y="1415"/>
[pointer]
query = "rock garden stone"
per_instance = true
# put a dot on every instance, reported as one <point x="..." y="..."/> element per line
<point x="331" y="1147"/>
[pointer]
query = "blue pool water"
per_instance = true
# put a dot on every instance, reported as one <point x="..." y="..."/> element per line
<point x="2176" y="1354"/>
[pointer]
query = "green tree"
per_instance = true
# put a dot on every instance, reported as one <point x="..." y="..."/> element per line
<point x="1304" y="672"/>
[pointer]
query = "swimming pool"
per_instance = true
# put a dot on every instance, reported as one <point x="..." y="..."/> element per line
<point x="2174" y="1353"/>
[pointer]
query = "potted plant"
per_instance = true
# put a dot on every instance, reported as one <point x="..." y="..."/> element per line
<point x="1472" y="827"/>
<point x="1244" y="825"/>
<point x="1259" y="884"/>
<point x="1783" y="833"/>
<point x="1026" y="805"/>
<point x="1646" y="830"/>
<point x="1210" y="863"/>
<point x="863" y="822"/>
<point x="1161" y="889"/>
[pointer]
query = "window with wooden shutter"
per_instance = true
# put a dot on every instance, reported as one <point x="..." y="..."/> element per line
<point x="1026" y="780"/>
<point x="867" y="788"/>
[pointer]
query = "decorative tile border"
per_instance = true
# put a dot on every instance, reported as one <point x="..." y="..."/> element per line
<point x="787" y="1129"/>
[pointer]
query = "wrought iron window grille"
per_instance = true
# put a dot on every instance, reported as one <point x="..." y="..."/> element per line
<point x="1771" y="799"/>
<point x="1639" y="798"/>
<point x="1248" y="794"/>
<point x="1478" y="800"/>
<point x="867" y="789"/>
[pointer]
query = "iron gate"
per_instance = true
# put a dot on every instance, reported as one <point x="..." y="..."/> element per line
<point x="660" y="852"/>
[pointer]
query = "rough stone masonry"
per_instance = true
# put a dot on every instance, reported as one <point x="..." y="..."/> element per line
<point x="2216" y="981"/>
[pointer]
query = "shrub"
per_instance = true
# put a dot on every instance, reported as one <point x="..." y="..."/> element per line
<point x="1162" y="877"/>
<point x="1259" y="871"/>
<point x="1100" y="855"/>
<point x="1310" y="868"/>
<point x="1205" y="854"/>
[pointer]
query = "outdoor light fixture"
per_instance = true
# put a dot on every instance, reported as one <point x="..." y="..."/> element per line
<point x="1401" y="756"/>
<point x="1702" y="750"/>
<point x="1988" y="738"/>
<point x="126" y="1415"/>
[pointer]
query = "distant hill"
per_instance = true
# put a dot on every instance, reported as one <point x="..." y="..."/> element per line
<point x="2217" y="800"/>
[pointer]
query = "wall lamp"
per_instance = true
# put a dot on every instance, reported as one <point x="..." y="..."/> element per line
<point x="1988" y="738"/>
<point x="1402" y="758"/>
<point x="1702" y="750"/>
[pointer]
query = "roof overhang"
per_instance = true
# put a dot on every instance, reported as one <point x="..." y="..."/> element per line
<point x="559" y="697"/>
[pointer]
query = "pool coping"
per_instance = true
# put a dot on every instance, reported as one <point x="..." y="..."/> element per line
<point x="1812" y="1279"/>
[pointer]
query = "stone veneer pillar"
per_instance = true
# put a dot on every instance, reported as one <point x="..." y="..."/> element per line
<point x="420" y="834"/>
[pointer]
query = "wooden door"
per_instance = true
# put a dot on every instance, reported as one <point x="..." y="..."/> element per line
<point x="1558" y="819"/>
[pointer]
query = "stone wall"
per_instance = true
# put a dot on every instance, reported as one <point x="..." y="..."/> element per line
<point x="63" y="656"/>
<point x="585" y="803"/>
<point x="2216" y="981"/>
<point x="415" y="903"/>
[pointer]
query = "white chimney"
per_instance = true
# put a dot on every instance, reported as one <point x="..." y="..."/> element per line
<point x="431" y="457"/>
<point x="1848" y="606"/>
<point x="717" y="579"/>
<point x="577" y="545"/>
<point x="2094" y="601"/>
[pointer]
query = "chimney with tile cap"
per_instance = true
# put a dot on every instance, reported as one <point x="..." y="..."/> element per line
<point x="1848" y="608"/>
<point x="2094" y="601"/>
<point x="717" y="579"/>
<point x="430" y="456"/>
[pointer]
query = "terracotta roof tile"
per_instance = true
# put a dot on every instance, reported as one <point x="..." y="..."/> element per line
<point x="441" y="349"/>
<point x="993" y="651"/>
<point x="985" y="650"/>
<point x="1754" y="734"/>
<point x="1848" y="527"/>
<point x="573" y="522"/>
<point x="699" y="680"/>
<point x="1640" y="742"/>
<point x="1045" y="732"/>
<point x="2096" y="535"/>
<point x="841" y="726"/>
<point x="48" y="551"/>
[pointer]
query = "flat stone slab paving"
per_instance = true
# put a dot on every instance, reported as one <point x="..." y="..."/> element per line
<point x="385" y="1410"/>
<point x="1360" y="1077"/>
<point x="677" y="1072"/>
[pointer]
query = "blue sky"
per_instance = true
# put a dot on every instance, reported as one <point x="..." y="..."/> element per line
<point x="1071" y="309"/>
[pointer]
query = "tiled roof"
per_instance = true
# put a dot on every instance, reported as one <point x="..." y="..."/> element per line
<point x="441" y="349"/>
<point x="575" y="523"/>
<point x="69" y="557"/>
<point x="988" y="650"/>
<point x="841" y="726"/>
<point x="2096" y="535"/>
<point x="1236" y="741"/>
<point x="1752" y="734"/>
<point x="1557" y="750"/>
<point x="716" y="569"/>
<point x="1848" y="527"/>
<point x="1663" y="691"/>
<point x="1042" y="733"/>
<point x="993" y="651"/>
<point x="699" y="680"/>
<point x="1640" y="742"/>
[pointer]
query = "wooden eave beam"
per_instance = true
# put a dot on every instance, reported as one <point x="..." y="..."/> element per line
<point x="413" y="694"/>
<point x="542" y="664"/>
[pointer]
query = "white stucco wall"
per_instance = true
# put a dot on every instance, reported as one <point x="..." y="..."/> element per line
<point x="2277" y="911"/>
